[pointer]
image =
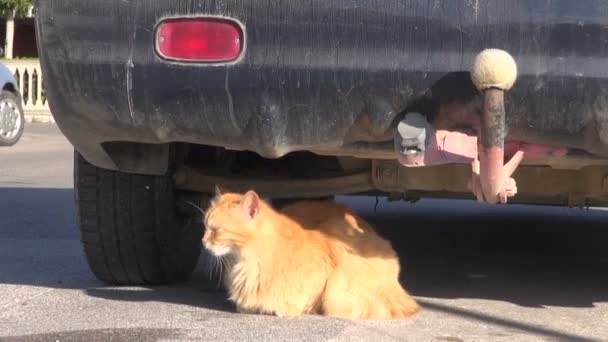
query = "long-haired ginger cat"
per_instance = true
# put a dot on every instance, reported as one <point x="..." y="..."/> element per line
<point x="308" y="258"/>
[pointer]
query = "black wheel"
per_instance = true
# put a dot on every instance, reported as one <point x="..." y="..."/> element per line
<point x="129" y="227"/>
<point x="12" y="120"/>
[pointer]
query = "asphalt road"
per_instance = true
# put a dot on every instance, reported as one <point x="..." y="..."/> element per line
<point x="481" y="273"/>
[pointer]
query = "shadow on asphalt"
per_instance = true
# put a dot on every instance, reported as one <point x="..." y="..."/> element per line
<point x="527" y="261"/>
<point x="100" y="335"/>
<point x="556" y="258"/>
<point x="486" y="319"/>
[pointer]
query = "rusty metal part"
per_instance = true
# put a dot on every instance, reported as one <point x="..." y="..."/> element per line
<point x="204" y="180"/>
<point x="536" y="184"/>
<point x="552" y="186"/>
<point x="491" y="177"/>
<point x="574" y="160"/>
<point x="491" y="149"/>
<point x="493" y="128"/>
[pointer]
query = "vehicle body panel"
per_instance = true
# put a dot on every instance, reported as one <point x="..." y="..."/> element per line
<point x="327" y="76"/>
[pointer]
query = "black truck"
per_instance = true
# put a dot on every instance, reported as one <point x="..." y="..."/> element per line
<point x="163" y="100"/>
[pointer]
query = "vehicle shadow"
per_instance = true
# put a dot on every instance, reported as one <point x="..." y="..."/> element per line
<point x="556" y="257"/>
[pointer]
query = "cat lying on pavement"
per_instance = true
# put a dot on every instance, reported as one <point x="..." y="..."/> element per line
<point x="309" y="258"/>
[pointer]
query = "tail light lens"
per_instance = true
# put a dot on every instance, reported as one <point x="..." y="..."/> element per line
<point x="203" y="40"/>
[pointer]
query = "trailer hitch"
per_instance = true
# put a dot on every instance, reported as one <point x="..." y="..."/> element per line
<point x="494" y="72"/>
<point x="418" y="143"/>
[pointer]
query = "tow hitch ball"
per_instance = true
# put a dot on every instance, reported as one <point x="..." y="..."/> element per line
<point x="494" y="72"/>
<point x="418" y="143"/>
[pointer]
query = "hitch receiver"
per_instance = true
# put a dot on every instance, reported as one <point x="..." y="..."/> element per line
<point x="494" y="72"/>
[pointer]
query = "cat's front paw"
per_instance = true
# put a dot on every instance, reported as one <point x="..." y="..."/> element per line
<point x="289" y="313"/>
<point x="288" y="316"/>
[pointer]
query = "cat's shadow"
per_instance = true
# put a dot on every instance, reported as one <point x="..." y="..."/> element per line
<point x="202" y="290"/>
<point x="181" y="294"/>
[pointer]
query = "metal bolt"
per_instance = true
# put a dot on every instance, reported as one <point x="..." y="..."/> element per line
<point x="388" y="175"/>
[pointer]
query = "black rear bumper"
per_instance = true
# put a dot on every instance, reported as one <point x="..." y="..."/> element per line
<point x="321" y="75"/>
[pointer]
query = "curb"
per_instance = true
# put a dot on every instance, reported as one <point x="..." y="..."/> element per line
<point x="44" y="117"/>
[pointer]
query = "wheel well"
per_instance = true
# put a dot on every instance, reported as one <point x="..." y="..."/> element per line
<point x="10" y="87"/>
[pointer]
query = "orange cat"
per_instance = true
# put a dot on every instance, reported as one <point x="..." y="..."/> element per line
<point x="309" y="258"/>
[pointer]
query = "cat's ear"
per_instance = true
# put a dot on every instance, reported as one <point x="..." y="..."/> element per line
<point x="219" y="190"/>
<point x="251" y="204"/>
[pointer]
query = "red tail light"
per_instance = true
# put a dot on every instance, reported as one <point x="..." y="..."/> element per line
<point x="207" y="40"/>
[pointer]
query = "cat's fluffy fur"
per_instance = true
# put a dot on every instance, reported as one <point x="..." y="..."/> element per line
<point x="309" y="258"/>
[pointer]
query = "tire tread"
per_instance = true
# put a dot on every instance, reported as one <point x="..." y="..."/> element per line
<point x="129" y="231"/>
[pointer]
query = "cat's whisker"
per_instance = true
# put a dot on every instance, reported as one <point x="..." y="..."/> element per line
<point x="219" y="279"/>
<point x="222" y="266"/>
<point x="197" y="207"/>
<point x="218" y="267"/>
<point x="212" y="270"/>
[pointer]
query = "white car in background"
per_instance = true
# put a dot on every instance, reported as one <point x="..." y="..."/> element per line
<point x="12" y="120"/>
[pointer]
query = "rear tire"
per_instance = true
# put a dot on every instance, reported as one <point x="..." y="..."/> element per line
<point x="129" y="227"/>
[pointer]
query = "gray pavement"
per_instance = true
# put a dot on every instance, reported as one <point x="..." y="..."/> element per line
<point x="481" y="273"/>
